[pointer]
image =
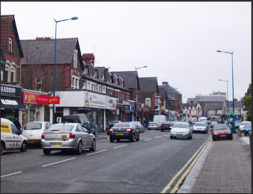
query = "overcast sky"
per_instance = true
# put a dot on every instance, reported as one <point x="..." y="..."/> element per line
<point x="176" y="40"/>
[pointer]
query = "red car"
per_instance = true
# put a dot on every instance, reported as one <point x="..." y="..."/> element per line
<point x="221" y="131"/>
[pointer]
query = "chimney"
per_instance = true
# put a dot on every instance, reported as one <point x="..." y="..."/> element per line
<point x="165" y="83"/>
<point x="43" y="38"/>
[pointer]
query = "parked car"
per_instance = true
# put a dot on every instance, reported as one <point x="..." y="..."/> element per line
<point x="142" y="128"/>
<point x="221" y="131"/>
<point x="248" y="129"/>
<point x="242" y="126"/>
<point x="78" y="118"/>
<point x="166" y="126"/>
<point x="110" y="125"/>
<point x="11" y="137"/>
<point x="33" y="130"/>
<point x="125" y="130"/>
<point x="181" y="130"/>
<point x="200" y="127"/>
<point x="153" y="126"/>
<point x="67" y="136"/>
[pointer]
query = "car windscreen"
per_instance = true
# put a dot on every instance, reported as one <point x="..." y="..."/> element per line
<point x="121" y="125"/>
<point x="63" y="127"/>
<point x="180" y="125"/>
<point x="200" y="124"/>
<point x="221" y="127"/>
<point x="33" y="126"/>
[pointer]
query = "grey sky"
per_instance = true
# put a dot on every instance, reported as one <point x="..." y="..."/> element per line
<point x="176" y="40"/>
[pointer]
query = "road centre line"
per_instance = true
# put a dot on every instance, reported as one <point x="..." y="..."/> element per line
<point x="14" y="173"/>
<point x="148" y="139"/>
<point x="156" y="137"/>
<point x="174" y="190"/>
<point x="120" y="146"/>
<point x="58" y="162"/>
<point x="184" y="167"/>
<point x="97" y="152"/>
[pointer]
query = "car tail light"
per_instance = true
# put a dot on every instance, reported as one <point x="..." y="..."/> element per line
<point x="42" y="135"/>
<point x="128" y="129"/>
<point x="71" y="135"/>
<point x="111" y="129"/>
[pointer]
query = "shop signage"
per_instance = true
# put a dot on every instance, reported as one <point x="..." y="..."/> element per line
<point x="40" y="99"/>
<point x="10" y="91"/>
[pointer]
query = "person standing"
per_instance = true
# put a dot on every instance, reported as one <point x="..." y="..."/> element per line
<point x="17" y="124"/>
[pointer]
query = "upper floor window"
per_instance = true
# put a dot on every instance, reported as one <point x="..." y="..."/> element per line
<point x="10" y="44"/>
<point x="75" y="58"/>
<point x="74" y="82"/>
<point x="13" y="74"/>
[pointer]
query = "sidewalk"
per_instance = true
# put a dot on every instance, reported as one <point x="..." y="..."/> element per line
<point x="224" y="167"/>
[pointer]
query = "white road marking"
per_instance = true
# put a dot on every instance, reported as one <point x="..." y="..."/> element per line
<point x="14" y="173"/>
<point x="97" y="152"/>
<point x="148" y="139"/>
<point x="120" y="146"/>
<point x="58" y="162"/>
<point x="158" y="137"/>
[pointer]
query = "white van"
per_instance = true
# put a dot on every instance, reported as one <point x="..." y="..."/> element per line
<point x="159" y="119"/>
<point x="11" y="137"/>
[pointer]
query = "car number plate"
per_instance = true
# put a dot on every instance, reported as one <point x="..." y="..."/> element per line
<point x="31" y="141"/>
<point x="223" y="135"/>
<point x="119" y="133"/>
<point x="56" y="144"/>
<point x="64" y="136"/>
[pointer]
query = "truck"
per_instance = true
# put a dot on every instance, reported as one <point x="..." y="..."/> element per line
<point x="159" y="119"/>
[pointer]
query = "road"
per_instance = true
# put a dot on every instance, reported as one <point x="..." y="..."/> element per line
<point x="146" y="166"/>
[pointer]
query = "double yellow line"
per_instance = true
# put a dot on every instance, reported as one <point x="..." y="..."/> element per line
<point x="194" y="158"/>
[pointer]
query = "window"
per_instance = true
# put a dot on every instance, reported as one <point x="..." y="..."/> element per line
<point x="2" y="75"/>
<point x="10" y="44"/>
<point x="74" y="82"/>
<point x="75" y="59"/>
<point x="13" y="78"/>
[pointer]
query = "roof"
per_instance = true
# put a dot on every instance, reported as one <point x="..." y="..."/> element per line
<point x="238" y="104"/>
<point x="129" y="78"/>
<point x="41" y="51"/>
<point x="8" y="21"/>
<point x="148" y="84"/>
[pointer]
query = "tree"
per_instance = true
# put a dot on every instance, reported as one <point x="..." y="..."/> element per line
<point x="246" y="101"/>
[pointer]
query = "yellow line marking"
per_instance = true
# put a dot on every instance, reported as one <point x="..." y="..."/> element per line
<point x="187" y="171"/>
<point x="174" y="178"/>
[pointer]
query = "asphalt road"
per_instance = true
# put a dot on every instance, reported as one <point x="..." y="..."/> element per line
<point x="146" y="166"/>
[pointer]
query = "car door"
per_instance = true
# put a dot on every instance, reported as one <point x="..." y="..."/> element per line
<point x="16" y="138"/>
<point x="87" y="137"/>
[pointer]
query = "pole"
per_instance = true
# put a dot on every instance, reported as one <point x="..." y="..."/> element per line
<point x="233" y="91"/>
<point x="54" y="87"/>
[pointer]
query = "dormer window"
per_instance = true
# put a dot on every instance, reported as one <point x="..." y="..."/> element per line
<point x="10" y="44"/>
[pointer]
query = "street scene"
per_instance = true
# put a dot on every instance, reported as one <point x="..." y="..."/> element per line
<point x="126" y="97"/>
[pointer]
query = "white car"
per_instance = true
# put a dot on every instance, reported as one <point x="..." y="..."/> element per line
<point x="200" y="127"/>
<point x="11" y="138"/>
<point x="33" y="130"/>
<point x="181" y="130"/>
<point x="242" y="125"/>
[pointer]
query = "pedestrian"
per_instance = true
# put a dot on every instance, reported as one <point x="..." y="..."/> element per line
<point x="17" y="124"/>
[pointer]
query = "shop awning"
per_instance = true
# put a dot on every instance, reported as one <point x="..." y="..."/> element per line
<point x="11" y="103"/>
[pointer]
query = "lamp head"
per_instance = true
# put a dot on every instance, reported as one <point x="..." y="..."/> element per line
<point x="218" y="51"/>
<point x="74" y="18"/>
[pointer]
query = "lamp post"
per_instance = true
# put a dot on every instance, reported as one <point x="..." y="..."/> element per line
<point x="233" y="113"/>
<point x="55" y="43"/>
<point x="227" y="99"/>
<point x="136" y="86"/>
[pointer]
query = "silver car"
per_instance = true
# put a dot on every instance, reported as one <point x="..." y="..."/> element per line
<point x="181" y="130"/>
<point x="67" y="136"/>
<point x="200" y="127"/>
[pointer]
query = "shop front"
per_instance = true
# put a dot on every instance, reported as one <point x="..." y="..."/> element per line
<point x="11" y="103"/>
<point x="37" y="108"/>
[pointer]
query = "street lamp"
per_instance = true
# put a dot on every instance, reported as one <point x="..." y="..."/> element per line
<point x="227" y="99"/>
<point x="55" y="43"/>
<point x="233" y="113"/>
<point x="136" y="85"/>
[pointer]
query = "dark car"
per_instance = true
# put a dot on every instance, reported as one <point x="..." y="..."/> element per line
<point x="221" y="131"/>
<point x="125" y="130"/>
<point x="166" y="126"/>
<point x="110" y="125"/>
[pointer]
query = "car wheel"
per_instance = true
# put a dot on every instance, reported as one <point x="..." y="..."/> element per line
<point x="2" y="148"/>
<point x="138" y="139"/>
<point x="111" y="139"/>
<point x="23" y="147"/>
<point x="171" y="137"/>
<point x="46" y="151"/>
<point x="94" y="145"/>
<point x="118" y="140"/>
<point x="79" y="149"/>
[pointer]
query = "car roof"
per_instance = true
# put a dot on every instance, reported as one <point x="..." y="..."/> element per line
<point x="6" y="120"/>
<point x="67" y="124"/>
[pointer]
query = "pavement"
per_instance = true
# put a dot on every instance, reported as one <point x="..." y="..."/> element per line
<point x="224" y="167"/>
